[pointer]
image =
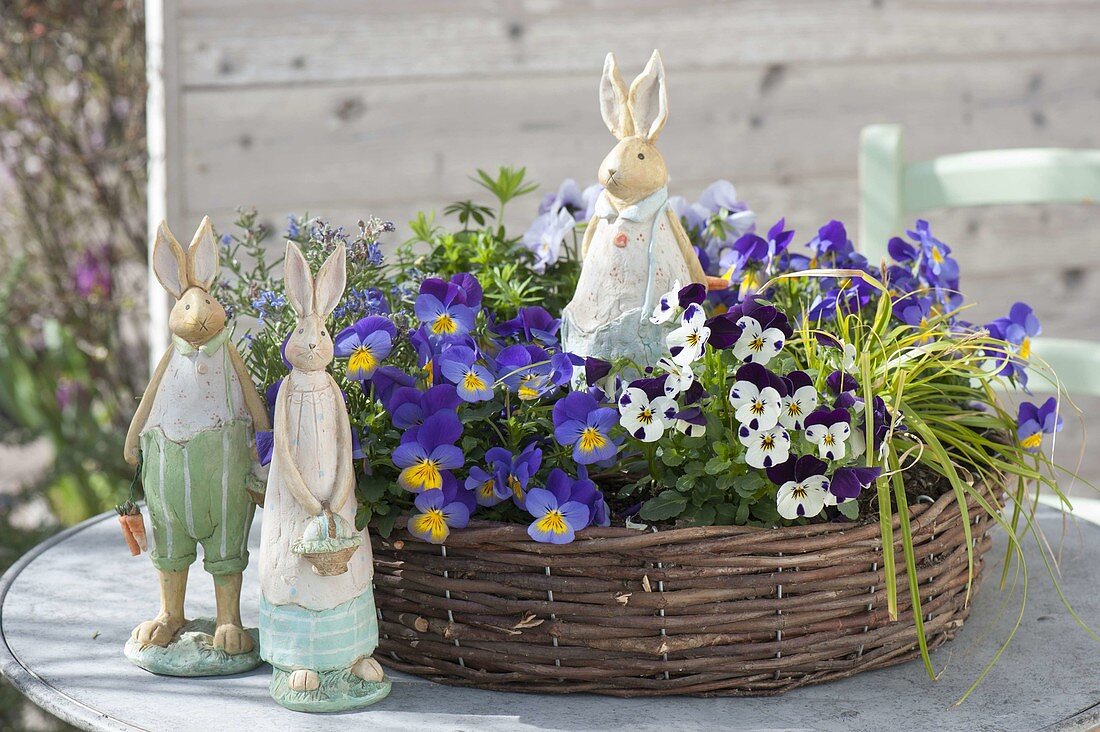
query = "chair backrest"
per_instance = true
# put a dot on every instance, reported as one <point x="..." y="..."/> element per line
<point x="893" y="191"/>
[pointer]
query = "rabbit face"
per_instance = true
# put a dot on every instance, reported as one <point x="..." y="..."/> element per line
<point x="310" y="345"/>
<point x="632" y="170"/>
<point x="196" y="317"/>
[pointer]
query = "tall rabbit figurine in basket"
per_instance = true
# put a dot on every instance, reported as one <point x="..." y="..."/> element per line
<point x="194" y="435"/>
<point x="318" y="623"/>
<point x="635" y="248"/>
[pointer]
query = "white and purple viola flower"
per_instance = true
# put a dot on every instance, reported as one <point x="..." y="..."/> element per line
<point x="644" y="410"/>
<point x="686" y="343"/>
<point x="799" y="401"/>
<point x="673" y="302"/>
<point x="757" y="397"/>
<point x="679" y="377"/>
<point x="829" y="430"/>
<point x="765" y="448"/>
<point x="803" y="487"/>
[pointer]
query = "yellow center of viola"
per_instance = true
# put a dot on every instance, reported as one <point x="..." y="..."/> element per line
<point x="794" y="409"/>
<point x="429" y="373"/>
<point x="472" y="382"/>
<point x="937" y="256"/>
<point x="424" y="475"/>
<point x="529" y="387"/>
<point x="487" y="488"/>
<point x="757" y="343"/>
<point x="829" y="440"/>
<point x="799" y="491"/>
<point x="646" y="416"/>
<point x="432" y="523"/>
<point x="362" y="361"/>
<point x="1032" y="441"/>
<point x="757" y="407"/>
<point x="693" y="339"/>
<point x="591" y="440"/>
<point x="514" y="484"/>
<point x="768" y="442"/>
<point x="444" y="325"/>
<point x="1025" y="348"/>
<point x="552" y="523"/>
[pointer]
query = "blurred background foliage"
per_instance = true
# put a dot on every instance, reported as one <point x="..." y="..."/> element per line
<point x="72" y="267"/>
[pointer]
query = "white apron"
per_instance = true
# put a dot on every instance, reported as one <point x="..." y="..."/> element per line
<point x="285" y="577"/>
<point x="633" y="258"/>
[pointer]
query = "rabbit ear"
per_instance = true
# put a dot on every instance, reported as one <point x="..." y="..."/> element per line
<point x="299" y="281"/>
<point x="649" y="99"/>
<point x="202" y="256"/>
<point x="169" y="262"/>
<point x="613" y="100"/>
<point x="330" y="282"/>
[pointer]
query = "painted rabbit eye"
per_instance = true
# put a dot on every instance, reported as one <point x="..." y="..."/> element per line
<point x="641" y="156"/>
<point x="187" y="307"/>
<point x="301" y="330"/>
<point x="208" y="301"/>
<point x="324" y="333"/>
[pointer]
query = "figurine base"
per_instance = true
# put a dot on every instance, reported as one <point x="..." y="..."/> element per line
<point x="340" y="691"/>
<point x="192" y="653"/>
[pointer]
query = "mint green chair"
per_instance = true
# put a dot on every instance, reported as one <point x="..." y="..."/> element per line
<point x="893" y="192"/>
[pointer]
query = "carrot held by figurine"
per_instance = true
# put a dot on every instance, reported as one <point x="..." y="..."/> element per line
<point x="131" y="520"/>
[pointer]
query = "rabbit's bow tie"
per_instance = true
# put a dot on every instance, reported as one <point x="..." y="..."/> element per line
<point x="643" y="210"/>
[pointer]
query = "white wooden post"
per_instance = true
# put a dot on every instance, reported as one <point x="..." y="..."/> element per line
<point x="881" y="194"/>
<point x="162" y="135"/>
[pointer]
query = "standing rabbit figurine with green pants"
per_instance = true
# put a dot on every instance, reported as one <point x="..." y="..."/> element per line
<point x="194" y="434"/>
<point x="318" y="621"/>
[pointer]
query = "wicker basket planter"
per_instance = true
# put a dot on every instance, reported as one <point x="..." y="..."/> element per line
<point x="700" y="611"/>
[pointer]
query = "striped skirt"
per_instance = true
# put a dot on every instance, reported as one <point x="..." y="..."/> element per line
<point x="293" y="637"/>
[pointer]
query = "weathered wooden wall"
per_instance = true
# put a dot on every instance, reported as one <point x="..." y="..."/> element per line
<point x="344" y="107"/>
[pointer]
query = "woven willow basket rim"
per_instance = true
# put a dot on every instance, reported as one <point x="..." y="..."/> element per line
<point x="704" y="611"/>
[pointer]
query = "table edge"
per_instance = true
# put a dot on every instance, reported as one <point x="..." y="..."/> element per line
<point x="26" y="681"/>
<point x="77" y="713"/>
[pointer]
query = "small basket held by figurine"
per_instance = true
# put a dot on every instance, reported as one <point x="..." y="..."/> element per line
<point x="328" y="544"/>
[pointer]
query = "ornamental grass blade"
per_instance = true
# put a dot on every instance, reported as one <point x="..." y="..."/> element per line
<point x="910" y="561"/>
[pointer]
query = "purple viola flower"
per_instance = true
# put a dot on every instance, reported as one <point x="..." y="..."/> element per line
<point x="913" y="310"/>
<point x="1020" y="327"/>
<point x="525" y="370"/>
<point x="848" y="482"/>
<point x="440" y="511"/>
<point x="265" y="446"/>
<point x="1035" y="421"/>
<point x="568" y="197"/>
<point x="473" y="381"/>
<point x="757" y="397"/>
<point x="829" y="430"/>
<point x="589" y="196"/>
<point x="831" y="241"/>
<point x="568" y="369"/>
<point x="512" y="473"/>
<point x="840" y="382"/>
<point x="425" y="347"/>
<point x="410" y="407"/>
<point x="720" y="196"/>
<point x="557" y="512"/>
<point x="424" y="459"/>
<point x="581" y="423"/>
<point x="365" y="344"/>
<point x="937" y="265"/>
<point x="545" y="237"/>
<point x="441" y="308"/>
<point x="485" y="487"/>
<point x="803" y="487"/>
<point x="724" y="330"/>
<point x="470" y="291"/>
<point x="901" y="250"/>
<point x="534" y="323"/>
<point x="385" y="381"/>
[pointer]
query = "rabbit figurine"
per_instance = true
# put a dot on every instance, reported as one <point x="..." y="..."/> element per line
<point x="194" y="434"/>
<point x="318" y="629"/>
<point x="634" y="247"/>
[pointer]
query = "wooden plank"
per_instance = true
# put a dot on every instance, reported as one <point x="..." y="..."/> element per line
<point x="256" y="42"/>
<point x="343" y="146"/>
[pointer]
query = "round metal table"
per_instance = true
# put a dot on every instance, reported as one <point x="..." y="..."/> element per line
<point x="67" y="607"/>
